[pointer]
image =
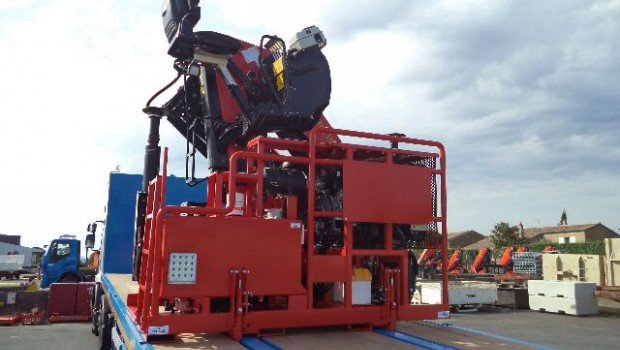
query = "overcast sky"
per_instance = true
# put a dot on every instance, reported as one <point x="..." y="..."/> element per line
<point x="524" y="95"/>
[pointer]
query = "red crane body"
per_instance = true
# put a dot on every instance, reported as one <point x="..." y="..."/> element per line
<point x="482" y="261"/>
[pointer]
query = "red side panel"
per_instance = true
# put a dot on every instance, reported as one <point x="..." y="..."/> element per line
<point x="62" y="299"/>
<point x="83" y="298"/>
<point x="396" y="193"/>
<point x="269" y="249"/>
<point x="330" y="268"/>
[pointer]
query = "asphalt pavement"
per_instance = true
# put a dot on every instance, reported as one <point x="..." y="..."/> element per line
<point x="56" y="336"/>
<point x="548" y="329"/>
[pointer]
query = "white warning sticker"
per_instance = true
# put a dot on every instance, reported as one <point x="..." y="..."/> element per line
<point x="295" y="224"/>
<point x="158" y="330"/>
<point x="443" y="314"/>
<point x="250" y="54"/>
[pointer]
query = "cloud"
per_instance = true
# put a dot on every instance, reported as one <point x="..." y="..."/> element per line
<point x="523" y="95"/>
<point x="519" y="93"/>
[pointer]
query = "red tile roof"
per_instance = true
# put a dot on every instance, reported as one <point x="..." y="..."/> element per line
<point x="539" y="231"/>
<point x="483" y="243"/>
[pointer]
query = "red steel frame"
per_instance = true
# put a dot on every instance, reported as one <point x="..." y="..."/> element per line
<point x="301" y="311"/>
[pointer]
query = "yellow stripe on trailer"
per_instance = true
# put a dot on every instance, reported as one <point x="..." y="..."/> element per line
<point x="128" y="344"/>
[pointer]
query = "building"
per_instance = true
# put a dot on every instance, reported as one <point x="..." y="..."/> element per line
<point x="570" y="233"/>
<point x="555" y="234"/>
<point x="32" y="256"/>
<point x="486" y="242"/>
<point x="463" y="238"/>
<point x="11" y="239"/>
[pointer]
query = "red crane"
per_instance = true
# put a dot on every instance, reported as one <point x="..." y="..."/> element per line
<point x="482" y="261"/>
<point x="290" y="224"/>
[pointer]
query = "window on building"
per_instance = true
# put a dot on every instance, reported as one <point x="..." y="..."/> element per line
<point x="572" y="239"/>
<point x="563" y="240"/>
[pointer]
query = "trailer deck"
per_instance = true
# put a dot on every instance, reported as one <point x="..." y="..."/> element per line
<point x="323" y="338"/>
<point x="409" y="335"/>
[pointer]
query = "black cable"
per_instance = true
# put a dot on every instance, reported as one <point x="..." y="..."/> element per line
<point x="193" y="125"/>
<point x="179" y="73"/>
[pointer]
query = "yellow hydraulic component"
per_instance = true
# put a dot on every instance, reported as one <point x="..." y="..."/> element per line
<point x="278" y="73"/>
<point x="361" y="274"/>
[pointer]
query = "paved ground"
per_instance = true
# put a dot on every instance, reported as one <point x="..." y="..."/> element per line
<point x="59" y="336"/>
<point x="551" y="330"/>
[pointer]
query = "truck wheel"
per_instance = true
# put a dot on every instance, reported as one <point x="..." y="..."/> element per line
<point x="104" y="325"/>
<point x="95" y="322"/>
<point x="71" y="277"/>
<point x="95" y="308"/>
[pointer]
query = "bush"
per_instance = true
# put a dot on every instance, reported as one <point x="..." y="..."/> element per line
<point x="587" y="248"/>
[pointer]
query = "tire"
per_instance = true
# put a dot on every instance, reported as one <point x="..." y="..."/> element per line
<point x="71" y="277"/>
<point x="95" y="310"/>
<point x="104" y="325"/>
<point x="95" y="322"/>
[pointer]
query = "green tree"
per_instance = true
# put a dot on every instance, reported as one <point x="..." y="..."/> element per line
<point x="504" y="235"/>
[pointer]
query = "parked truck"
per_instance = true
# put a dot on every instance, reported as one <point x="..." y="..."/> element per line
<point x="11" y="266"/>
<point x="19" y="262"/>
<point x="292" y="227"/>
<point x="63" y="261"/>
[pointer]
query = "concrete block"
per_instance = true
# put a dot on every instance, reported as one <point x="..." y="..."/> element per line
<point x="516" y="298"/>
<point x="612" y="255"/>
<point x="565" y="289"/>
<point x="570" y="306"/>
<point x="459" y="292"/>
<point x="574" y="267"/>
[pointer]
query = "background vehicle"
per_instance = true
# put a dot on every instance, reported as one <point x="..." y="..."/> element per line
<point x="62" y="261"/>
<point x="11" y="266"/>
<point x="19" y="262"/>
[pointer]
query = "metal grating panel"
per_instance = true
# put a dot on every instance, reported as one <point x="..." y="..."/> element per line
<point x="182" y="268"/>
<point x="528" y="263"/>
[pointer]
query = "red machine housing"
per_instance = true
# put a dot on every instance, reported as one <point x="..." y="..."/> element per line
<point x="252" y="273"/>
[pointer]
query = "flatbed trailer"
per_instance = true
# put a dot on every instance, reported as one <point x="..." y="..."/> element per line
<point x="126" y="334"/>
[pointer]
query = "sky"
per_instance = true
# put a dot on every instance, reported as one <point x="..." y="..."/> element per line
<point x="523" y="94"/>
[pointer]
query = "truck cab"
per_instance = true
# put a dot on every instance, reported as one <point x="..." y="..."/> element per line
<point x="61" y="262"/>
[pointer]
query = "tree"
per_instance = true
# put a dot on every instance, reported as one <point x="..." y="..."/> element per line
<point x="504" y="235"/>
